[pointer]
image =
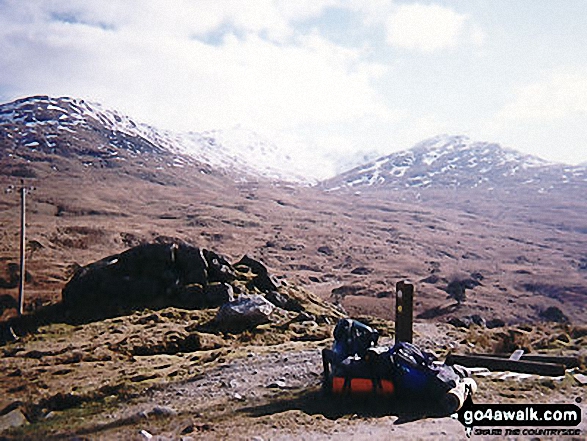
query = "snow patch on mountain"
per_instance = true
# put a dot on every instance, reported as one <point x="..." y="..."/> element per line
<point x="457" y="162"/>
<point x="241" y="152"/>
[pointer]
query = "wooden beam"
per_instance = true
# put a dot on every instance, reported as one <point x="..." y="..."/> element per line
<point x="570" y="362"/>
<point x="499" y="364"/>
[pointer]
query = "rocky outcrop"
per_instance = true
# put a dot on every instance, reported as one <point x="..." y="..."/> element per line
<point x="160" y="275"/>
<point x="262" y="280"/>
<point x="456" y="288"/>
<point x="554" y="314"/>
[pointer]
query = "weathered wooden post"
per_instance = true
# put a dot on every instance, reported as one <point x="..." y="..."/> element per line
<point x="23" y="191"/>
<point x="404" y="311"/>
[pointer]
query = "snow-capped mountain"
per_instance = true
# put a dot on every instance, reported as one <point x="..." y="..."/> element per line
<point x="35" y="128"/>
<point x="457" y="162"/>
<point x="67" y="126"/>
<point x="242" y="150"/>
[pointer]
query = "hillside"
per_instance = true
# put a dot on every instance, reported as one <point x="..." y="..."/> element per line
<point x="505" y="230"/>
<point x="443" y="211"/>
<point x="456" y="162"/>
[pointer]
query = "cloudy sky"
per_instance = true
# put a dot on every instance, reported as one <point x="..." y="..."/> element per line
<point x="324" y="78"/>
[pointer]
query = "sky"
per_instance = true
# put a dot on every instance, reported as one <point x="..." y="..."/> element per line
<point x="328" y="81"/>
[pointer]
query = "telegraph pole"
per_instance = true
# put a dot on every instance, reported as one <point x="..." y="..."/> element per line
<point x="23" y="192"/>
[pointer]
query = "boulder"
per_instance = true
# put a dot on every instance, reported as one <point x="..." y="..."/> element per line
<point x="147" y="259"/>
<point x="554" y="314"/>
<point x="191" y="265"/>
<point x="476" y="319"/>
<point x="265" y="283"/>
<point x="467" y="321"/>
<point x="12" y="419"/>
<point x="458" y="323"/>
<point x="192" y="296"/>
<point x="255" y="266"/>
<point x="244" y="313"/>
<point x="160" y="275"/>
<point x="149" y="275"/>
<point x="219" y="269"/>
<point x="284" y="301"/>
<point x="217" y="294"/>
<point x="279" y="300"/>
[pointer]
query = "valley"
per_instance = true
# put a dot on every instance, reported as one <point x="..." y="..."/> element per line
<point x="514" y="242"/>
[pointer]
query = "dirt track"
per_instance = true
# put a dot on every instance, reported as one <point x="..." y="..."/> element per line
<point x="114" y="378"/>
<point x="274" y="395"/>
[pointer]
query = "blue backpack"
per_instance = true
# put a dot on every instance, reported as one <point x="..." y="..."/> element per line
<point x="415" y="372"/>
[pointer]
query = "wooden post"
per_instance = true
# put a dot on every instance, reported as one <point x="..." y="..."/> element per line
<point x="22" y="248"/>
<point x="404" y="312"/>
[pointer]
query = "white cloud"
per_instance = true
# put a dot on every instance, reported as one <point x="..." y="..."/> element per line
<point x="303" y="9"/>
<point x="147" y="62"/>
<point x="426" y="28"/>
<point x="477" y="35"/>
<point x="559" y="94"/>
<point x="547" y="117"/>
<point x="373" y="12"/>
<point x="265" y="65"/>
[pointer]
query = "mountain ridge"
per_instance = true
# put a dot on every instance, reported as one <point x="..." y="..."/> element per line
<point x="456" y="161"/>
<point x="102" y="186"/>
<point x="34" y="122"/>
<point x="444" y="161"/>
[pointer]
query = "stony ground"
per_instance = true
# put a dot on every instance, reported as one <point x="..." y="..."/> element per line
<point x="130" y="377"/>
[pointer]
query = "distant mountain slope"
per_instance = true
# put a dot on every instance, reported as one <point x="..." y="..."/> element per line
<point x="458" y="162"/>
<point x="102" y="137"/>
<point x="448" y="209"/>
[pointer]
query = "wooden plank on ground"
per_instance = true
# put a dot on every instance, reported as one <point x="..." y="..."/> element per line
<point x="499" y="364"/>
<point x="570" y="362"/>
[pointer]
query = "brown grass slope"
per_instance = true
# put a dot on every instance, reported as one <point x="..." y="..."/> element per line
<point x="100" y="191"/>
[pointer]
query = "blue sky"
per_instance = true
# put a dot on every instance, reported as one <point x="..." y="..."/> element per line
<point x="323" y="79"/>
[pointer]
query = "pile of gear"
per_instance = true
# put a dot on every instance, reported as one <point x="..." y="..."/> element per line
<point x="357" y="365"/>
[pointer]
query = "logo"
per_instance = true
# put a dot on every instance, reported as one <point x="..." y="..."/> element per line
<point x="536" y="416"/>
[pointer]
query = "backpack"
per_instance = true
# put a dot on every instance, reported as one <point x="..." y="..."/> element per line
<point x="352" y="337"/>
<point x="414" y="371"/>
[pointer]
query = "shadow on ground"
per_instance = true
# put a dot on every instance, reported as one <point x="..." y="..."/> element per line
<point x="333" y="407"/>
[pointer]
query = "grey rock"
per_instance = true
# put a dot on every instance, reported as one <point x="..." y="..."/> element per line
<point x="495" y="323"/>
<point x="217" y="294"/>
<point x="163" y="411"/>
<point x="255" y="266"/>
<point x="244" y="313"/>
<point x="145" y="435"/>
<point x="219" y="269"/>
<point x="12" y="419"/>
<point x="279" y="300"/>
<point x="279" y="384"/>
